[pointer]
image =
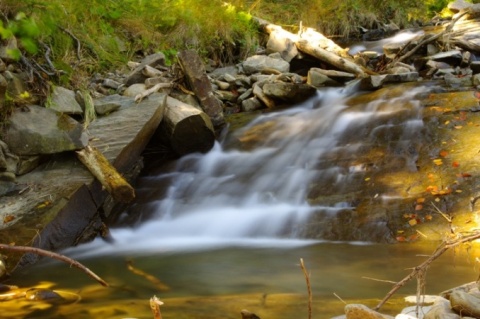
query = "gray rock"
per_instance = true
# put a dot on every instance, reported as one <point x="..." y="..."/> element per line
<point x="63" y="101"/>
<point x="222" y="72"/>
<point x="111" y="103"/>
<point x="156" y="80"/>
<point x="137" y="76"/>
<point x="251" y="104"/>
<point x="7" y="177"/>
<point x="465" y="304"/>
<point x="15" y="84"/>
<point x="453" y="57"/>
<point x="5" y="50"/>
<point x="458" y="5"/>
<point x="373" y="82"/>
<point x="288" y="92"/>
<point x="112" y="84"/>
<point x="258" y="63"/>
<point x="222" y="85"/>
<point x="441" y="310"/>
<point x="226" y="95"/>
<point x="401" y="77"/>
<point x="475" y="66"/>
<point x="454" y="81"/>
<point x="229" y="78"/>
<point x="358" y="311"/>
<point x="27" y="164"/>
<point x="36" y="130"/>
<point x="245" y="95"/>
<point x="338" y="76"/>
<point x="319" y="79"/>
<point x="8" y="161"/>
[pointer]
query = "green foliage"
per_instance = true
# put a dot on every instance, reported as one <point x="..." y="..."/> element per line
<point x="25" y="30"/>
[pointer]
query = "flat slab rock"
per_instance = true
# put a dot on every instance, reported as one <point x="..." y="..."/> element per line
<point x="53" y="205"/>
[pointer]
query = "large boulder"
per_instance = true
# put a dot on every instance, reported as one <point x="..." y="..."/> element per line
<point x="289" y="92"/>
<point x="36" y="130"/>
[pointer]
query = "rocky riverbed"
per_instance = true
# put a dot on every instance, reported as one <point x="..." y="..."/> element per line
<point x="51" y="201"/>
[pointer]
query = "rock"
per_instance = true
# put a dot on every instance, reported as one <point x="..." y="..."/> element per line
<point x="112" y="84"/>
<point x="455" y="81"/>
<point x="7" y="177"/>
<point x="15" y="84"/>
<point x="27" y="164"/>
<point x="156" y="80"/>
<point x="373" y="82"/>
<point x="441" y="310"/>
<point x="337" y="76"/>
<point x="36" y="130"/>
<point x="319" y="79"/>
<point x="358" y="311"/>
<point x="227" y="96"/>
<point x="245" y="95"/>
<point x="223" y="85"/>
<point x="63" y="101"/>
<point x="465" y="304"/>
<point x="458" y="5"/>
<point x="401" y="77"/>
<point x="289" y="92"/>
<point x="475" y="66"/>
<point x="8" y="161"/>
<point x="453" y="57"/>
<point x="260" y="95"/>
<point x="251" y="104"/>
<point x="258" y="63"/>
<point x="135" y="89"/>
<point x="5" y="50"/>
<point x="110" y="103"/>
<point x="137" y="76"/>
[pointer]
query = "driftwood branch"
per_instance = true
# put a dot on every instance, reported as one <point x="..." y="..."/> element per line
<point x="427" y="40"/>
<point x="46" y="253"/>
<point x="106" y="174"/>
<point x="420" y="269"/>
<point x="152" y="90"/>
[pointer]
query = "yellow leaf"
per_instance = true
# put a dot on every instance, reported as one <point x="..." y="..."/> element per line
<point x="438" y="161"/>
<point x="412" y="222"/>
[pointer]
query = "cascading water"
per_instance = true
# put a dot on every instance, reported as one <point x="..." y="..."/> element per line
<point x="261" y="193"/>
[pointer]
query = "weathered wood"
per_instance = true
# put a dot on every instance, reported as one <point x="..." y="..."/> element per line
<point x="316" y="45"/>
<point x="106" y="174"/>
<point x="152" y="90"/>
<point x="188" y="129"/>
<point x="197" y="79"/>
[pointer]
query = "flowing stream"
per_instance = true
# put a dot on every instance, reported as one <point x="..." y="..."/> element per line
<point x="238" y="219"/>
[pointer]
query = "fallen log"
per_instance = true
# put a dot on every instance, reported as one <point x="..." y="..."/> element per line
<point x="187" y="128"/>
<point x="316" y="45"/>
<point x="106" y="174"/>
<point x="196" y="78"/>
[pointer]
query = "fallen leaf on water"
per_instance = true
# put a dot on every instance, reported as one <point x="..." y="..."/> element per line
<point x="418" y="207"/>
<point x="428" y="217"/>
<point x="401" y="238"/>
<point x="455" y="164"/>
<point x="412" y="222"/>
<point x="420" y="200"/>
<point x="438" y="161"/>
<point x="443" y="153"/>
<point x="8" y="219"/>
<point x="400" y="231"/>
<point x="476" y="94"/>
<point x="457" y="127"/>
<point x="413" y="237"/>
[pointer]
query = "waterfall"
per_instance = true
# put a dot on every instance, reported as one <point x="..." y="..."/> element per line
<point x="258" y="194"/>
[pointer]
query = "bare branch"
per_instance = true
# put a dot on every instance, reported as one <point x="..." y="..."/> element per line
<point x="42" y="252"/>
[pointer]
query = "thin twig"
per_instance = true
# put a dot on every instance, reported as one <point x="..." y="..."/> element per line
<point x="339" y="298"/>
<point x="419" y="269"/>
<point x="307" y="279"/>
<point x="381" y="280"/>
<point x="154" y="280"/>
<point x="42" y="252"/>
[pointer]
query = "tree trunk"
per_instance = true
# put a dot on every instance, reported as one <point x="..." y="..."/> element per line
<point x="197" y="79"/>
<point x="188" y="129"/>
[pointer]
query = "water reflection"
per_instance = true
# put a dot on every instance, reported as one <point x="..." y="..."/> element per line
<point x="340" y="268"/>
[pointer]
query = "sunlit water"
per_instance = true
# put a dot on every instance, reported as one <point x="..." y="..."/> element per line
<point x="227" y="222"/>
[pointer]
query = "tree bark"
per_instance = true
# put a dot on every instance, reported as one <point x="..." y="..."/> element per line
<point x="188" y="129"/>
<point x="106" y="174"/>
<point x="198" y="82"/>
